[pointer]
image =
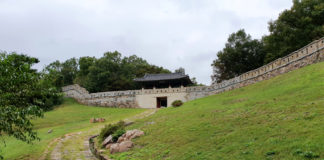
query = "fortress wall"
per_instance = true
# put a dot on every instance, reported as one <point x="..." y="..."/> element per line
<point x="146" y="98"/>
<point x="312" y="53"/>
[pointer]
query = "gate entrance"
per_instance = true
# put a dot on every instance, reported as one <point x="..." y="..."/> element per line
<point x="161" y="102"/>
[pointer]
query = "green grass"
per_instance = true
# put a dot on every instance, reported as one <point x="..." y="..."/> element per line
<point x="66" y="118"/>
<point x="281" y="118"/>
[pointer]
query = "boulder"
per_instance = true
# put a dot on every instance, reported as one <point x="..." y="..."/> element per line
<point x="101" y="119"/>
<point x="125" y="146"/>
<point x="114" y="148"/>
<point x="92" y="120"/>
<point x="129" y="135"/>
<point x="107" y="140"/>
<point x="109" y="145"/>
<point x="121" y="147"/>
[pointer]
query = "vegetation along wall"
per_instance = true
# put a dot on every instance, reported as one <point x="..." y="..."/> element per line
<point x="147" y="98"/>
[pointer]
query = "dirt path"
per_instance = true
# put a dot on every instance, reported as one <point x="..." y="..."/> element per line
<point x="75" y="146"/>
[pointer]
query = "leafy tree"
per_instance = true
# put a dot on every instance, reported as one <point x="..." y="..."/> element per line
<point x="69" y="70"/>
<point x="295" y="28"/>
<point x="112" y="72"/>
<point x="53" y="74"/>
<point x="19" y="87"/>
<point x="180" y="70"/>
<point x="84" y="65"/>
<point x="241" y="54"/>
<point x="62" y="74"/>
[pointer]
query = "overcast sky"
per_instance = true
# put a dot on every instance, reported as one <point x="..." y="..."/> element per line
<point x="168" y="33"/>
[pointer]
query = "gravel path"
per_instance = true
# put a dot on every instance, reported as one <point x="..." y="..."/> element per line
<point x="75" y="146"/>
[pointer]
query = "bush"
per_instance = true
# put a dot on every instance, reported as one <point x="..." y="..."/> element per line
<point x="117" y="134"/>
<point x="177" y="103"/>
<point x="110" y="129"/>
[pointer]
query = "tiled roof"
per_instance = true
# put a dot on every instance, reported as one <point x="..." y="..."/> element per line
<point x="162" y="76"/>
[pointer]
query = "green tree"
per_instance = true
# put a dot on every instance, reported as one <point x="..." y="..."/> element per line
<point x="180" y="70"/>
<point x="112" y="72"/>
<point x="84" y="65"/>
<point x="19" y="87"/>
<point x="295" y="28"/>
<point x="241" y="54"/>
<point x="69" y="70"/>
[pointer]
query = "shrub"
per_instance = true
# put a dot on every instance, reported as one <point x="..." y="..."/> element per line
<point x="117" y="134"/>
<point x="110" y="129"/>
<point x="177" y="103"/>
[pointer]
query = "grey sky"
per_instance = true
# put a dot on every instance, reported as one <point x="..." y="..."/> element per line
<point x="168" y="33"/>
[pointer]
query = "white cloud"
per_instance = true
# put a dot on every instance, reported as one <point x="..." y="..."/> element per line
<point x="169" y="33"/>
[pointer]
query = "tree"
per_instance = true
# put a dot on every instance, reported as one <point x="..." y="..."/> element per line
<point x="69" y="70"/>
<point x="180" y="70"/>
<point x="295" y="28"/>
<point x="19" y="87"/>
<point x="241" y="54"/>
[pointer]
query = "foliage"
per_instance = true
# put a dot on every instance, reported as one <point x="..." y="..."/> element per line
<point x="295" y="28"/>
<point x="195" y="83"/>
<point x="18" y="96"/>
<point x="177" y="103"/>
<point x="117" y="134"/>
<point x="245" y="123"/>
<point x="241" y="54"/>
<point x="180" y="70"/>
<point x="110" y="72"/>
<point x="62" y="74"/>
<point x="110" y="129"/>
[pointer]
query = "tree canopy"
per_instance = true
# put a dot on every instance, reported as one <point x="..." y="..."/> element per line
<point x="108" y="73"/>
<point x="294" y="28"/>
<point x="241" y="54"/>
<point x="24" y="95"/>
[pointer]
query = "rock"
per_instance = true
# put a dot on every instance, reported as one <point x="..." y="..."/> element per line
<point x="109" y="145"/>
<point x="125" y="146"/>
<point x="101" y="151"/>
<point x="101" y="119"/>
<point x="107" y="140"/>
<point x="92" y="120"/>
<point x="50" y="131"/>
<point x="114" y="148"/>
<point x="129" y="123"/>
<point x="149" y="123"/>
<point x="121" y="147"/>
<point x="129" y="135"/>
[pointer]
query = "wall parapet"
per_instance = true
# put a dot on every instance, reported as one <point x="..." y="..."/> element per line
<point x="308" y="50"/>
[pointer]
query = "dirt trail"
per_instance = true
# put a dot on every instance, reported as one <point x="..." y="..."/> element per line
<point x="75" y="146"/>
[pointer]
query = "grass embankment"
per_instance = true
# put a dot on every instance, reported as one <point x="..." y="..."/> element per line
<point x="281" y="118"/>
<point x="66" y="118"/>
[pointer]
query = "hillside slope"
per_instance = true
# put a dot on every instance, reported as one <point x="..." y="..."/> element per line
<point x="281" y="118"/>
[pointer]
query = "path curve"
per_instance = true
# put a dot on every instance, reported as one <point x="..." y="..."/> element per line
<point x="65" y="146"/>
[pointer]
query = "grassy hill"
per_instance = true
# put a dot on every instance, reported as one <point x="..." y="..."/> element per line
<point x="66" y="118"/>
<point x="281" y="118"/>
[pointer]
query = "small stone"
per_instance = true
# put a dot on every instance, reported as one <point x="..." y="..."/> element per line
<point x="92" y="120"/>
<point x="107" y="140"/>
<point x="50" y="131"/>
<point x="129" y="123"/>
<point x="101" y="151"/>
<point x="101" y="120"/>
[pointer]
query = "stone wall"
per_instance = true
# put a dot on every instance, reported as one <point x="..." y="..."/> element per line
<point x="146" y="98"/>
